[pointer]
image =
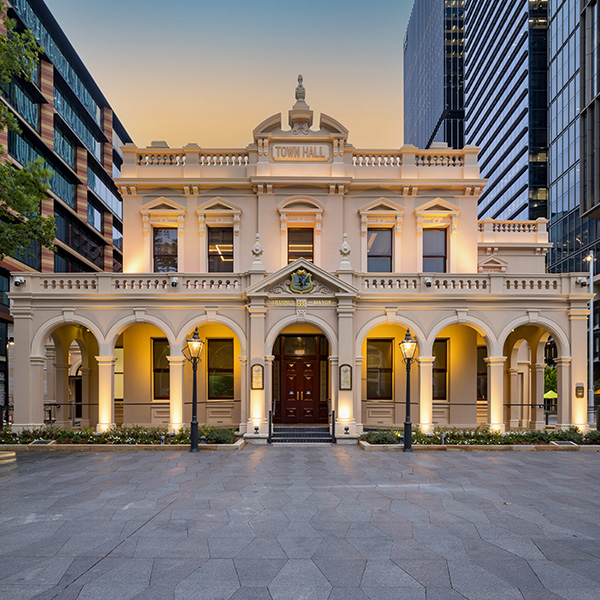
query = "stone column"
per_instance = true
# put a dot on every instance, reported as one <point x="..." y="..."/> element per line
<point x="106" y="392"/>
<point x="50" y="354"/>
<point x="563" y="417"/>
<point x="244" y="398"/>
<point x="357" y="387"/>
<point x="334" y="365"/>
<point x="348" y="411"/>
<point x="514" y="410"/>
<point x="495" y="366"/>
<point x="176" y="384"/>
<point x="426" y="393"/>
<point x="257" y="416"/>
<point x="29" y="393"/>
<point x="85" y="398"/>
<point x="578" y="320"/>
<point x="537" y="397"/>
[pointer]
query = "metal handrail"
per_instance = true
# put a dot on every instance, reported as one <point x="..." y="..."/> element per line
<point x="333" y="440"/>
<point x="274" y="406"/>
<point x="270" y="435"/>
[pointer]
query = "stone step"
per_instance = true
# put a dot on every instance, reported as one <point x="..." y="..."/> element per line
<point x="304" y="440"/>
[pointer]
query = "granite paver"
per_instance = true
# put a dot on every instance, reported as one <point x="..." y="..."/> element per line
<point x="299" y="523"/>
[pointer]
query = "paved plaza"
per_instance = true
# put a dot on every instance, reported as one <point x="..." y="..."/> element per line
<point x="300" y="523"/>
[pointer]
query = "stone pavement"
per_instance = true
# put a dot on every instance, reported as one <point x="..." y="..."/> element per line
<point x="300" y="523"/>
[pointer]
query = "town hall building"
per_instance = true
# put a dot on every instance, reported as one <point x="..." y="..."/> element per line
<point x="303" y="261"/>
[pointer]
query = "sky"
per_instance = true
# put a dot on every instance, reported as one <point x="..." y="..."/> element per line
<point x="209" y="71"/>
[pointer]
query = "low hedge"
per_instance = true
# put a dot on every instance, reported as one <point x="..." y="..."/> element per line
<point x="482" y="435"/>
<point x="118" y="435"/>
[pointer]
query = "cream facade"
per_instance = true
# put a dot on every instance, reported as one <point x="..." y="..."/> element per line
<point x="303" y="261"/>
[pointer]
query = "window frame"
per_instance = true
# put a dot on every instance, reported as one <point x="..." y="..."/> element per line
<point x="380" y="370"/>
<point x="211" y="231"/>
<point x="434" y="256"/>
<point x="438" y="370"/>
<point x="311" y="229"/>
<point x="159" y="370"/>
<point x="154" y="255"/>
<point x="390" y="256"/>
<point x="220" y="370"/>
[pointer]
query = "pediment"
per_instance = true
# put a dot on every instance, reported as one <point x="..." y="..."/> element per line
<point x="381" y="206"/>
<point x="218" y="205"/>
<point x="328" y="123"/>
<point x="300" y="204"/>
<point x="162" y="205"/>
<point x="438" y="206"/>
<point x="268" y="126"/>
<point x="324" y="283"/>
<point x="492" y="264"/>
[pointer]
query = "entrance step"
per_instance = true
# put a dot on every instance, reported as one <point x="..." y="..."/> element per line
<point x="300" y="435"/>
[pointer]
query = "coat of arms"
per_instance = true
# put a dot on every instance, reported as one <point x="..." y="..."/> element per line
<point x="301" y="282"/>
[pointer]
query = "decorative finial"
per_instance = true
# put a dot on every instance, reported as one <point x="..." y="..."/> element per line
<point x="257" y="249"/>
<point x="345" y="250"/>
<point x="300" y="91"/>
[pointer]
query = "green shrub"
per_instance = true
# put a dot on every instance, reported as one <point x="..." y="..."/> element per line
<point x="569" y="435"/>
<point x="118" y="435"/>
<point x="592" y="436"/>
<point x="381" y="436"/>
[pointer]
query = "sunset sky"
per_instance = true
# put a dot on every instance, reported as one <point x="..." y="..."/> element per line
<point x="210" y="71"/>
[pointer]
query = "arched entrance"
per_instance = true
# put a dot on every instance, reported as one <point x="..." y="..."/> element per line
<point x="301" y="376"/>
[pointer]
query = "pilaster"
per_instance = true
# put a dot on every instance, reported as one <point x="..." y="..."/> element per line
<point x="106" y="392"/>
<point x="426" y="393"/>
<point x="495" y="365"/>
<point x="176" y="383"/>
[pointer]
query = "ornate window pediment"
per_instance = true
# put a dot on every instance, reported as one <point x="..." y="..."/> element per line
<point x="162" y="212"/>
<point x="381" y="213"/>
<point x="218" y="212"/>
<point x="437" y="213"/>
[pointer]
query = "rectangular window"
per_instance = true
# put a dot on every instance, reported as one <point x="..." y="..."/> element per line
<point x="220" y="250"/>
<point x="165" y="250"/>
<point x="94" y="217"/>
<point x="434" y="250"/>
<point x="220" y="369"/>
<point x="440" y="369"/>
<point x="300" y="244"/>
<point x="481" y="373"/>
<point x="379" y="250"/>
<point x="379" y="369"/>
<point x="160" y="368"/>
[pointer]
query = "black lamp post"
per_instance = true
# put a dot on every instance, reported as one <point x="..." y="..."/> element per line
<point x="408" y="347"/>
<point x="192" y="352"/>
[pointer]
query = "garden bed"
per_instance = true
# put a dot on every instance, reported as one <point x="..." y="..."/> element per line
<point x="487" y="447"/>
<point x="483" y="438"/>
<point x="119" y="438"/>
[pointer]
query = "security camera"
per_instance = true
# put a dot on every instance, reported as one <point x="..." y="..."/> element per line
<point x="428" y="282"/>
<point x="174" y="281"/>
<point x="582" y="281"/>
<point x="19" y="281"/>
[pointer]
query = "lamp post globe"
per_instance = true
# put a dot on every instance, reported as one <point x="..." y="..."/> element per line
<point x="408" y="347"/>
<point x="192" y="352"/>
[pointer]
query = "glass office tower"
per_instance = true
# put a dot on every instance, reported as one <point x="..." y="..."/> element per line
<point x="505" y="79"/>
<point x="572" y="235"/>
<point x="433" y="74"/>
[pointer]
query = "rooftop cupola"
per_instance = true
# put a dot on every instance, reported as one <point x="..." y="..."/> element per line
<point x="300" y="117"/>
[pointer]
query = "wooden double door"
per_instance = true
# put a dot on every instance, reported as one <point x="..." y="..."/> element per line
<point x="301" y="392"/>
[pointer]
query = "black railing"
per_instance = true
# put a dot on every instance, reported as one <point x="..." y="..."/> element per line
<point x="269" y="436"/>
<point x="333" y="441"/>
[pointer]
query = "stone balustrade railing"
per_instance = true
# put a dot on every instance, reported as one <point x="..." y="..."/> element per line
<point x="368" y="284"/>
<point x="376" y="159"/>
<point x="447" y="158"/>
<point x="155" y="157"/>
<point x="491" y="231"/>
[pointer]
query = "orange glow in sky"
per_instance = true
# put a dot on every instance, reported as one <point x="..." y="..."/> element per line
<point x="209" y="72"/>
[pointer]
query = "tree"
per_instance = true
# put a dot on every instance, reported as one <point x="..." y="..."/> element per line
<point x="21" y="190"/>
<point x="550" y="379"/>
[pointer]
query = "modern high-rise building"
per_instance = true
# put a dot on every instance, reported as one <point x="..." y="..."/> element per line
<point x="573" y="236"/>
<point x="67" y="122"/>
<point x="433" y="74"/>
<point x="505" y="79"/>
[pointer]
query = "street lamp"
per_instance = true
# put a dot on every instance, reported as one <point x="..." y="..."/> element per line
<point x="192" y="352"/>
<point x="408" y="347"/>
<point x="590" y="259"/>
